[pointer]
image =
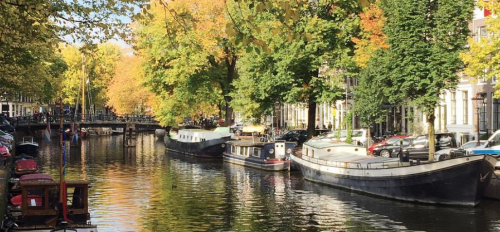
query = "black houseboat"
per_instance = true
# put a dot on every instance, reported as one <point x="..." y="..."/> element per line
<point x="274" y="156"/>
<point x="203" y="143"/>
<point x="27" y="146"/>
<point x="458" y="181"/>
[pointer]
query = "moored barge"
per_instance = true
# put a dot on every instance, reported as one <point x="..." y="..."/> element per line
<point x="458" y="181"/>
<point x="273" y="156"/>
<point x="202" y="143"/>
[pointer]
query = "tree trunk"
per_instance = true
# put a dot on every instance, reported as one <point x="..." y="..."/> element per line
<point x="430" y="126"/>
<point x="369" y="135"/>
<point x="311" y="119"/>
<point x="231" y="67"/>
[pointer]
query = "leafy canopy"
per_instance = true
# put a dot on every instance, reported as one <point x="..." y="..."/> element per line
<point x="188" y="61"/>
<point x="483" y="56"/>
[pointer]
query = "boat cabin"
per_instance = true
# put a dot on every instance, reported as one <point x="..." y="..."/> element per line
<point x="40" y="200"/>
<point x="26" y="167"/>
<point x="28" y="140"/>
<point x="39" y="177"/>
<point x="315" y="149"/>
<point x="279" y="150"/>
<point x="198" y="135"/>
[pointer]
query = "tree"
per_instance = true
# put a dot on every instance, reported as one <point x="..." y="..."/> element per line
<point x="99" y="69"/>
<point x="372" y="35"/>
<point x="483" y="56"/>
<point x="286" y="44"/>
<point x="373" y="89"/>
<point x="126" y="90"/>
<point x="425" y="39"/>
<point x="189" y="62"/>
<point x="371" y="57"/>
<point x="30" y="31"/>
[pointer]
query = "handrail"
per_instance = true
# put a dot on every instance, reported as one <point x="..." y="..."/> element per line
<point x="32" y="119"/>
<point x="357" y="165"/>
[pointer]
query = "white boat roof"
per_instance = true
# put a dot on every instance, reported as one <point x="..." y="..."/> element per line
<point x="354" y="158"/>
<point x="325" y="144"/>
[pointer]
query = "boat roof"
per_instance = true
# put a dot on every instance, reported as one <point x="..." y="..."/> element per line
<point x="217" y="130"/>
<point x="246" y="143"/>
<point x="38" y="176"/>
<point x="250" y="143"/>
<point x="354" y="158"/>
<point x="26" y="164"/>
<point x="325" y="144"/>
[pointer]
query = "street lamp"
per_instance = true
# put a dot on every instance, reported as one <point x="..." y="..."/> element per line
<point x="479" y="100"/>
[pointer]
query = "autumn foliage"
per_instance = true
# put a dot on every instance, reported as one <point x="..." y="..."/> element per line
<point x="372" y="35"/>
<point x="126" y="93"/>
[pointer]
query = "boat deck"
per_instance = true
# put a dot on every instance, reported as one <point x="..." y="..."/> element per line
<point x="355" y="161"/>
<point x="247" y="143"/>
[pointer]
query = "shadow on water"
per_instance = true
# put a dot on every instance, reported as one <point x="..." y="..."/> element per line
<point x="388" y="214"/>
<point x="145" y="188"/>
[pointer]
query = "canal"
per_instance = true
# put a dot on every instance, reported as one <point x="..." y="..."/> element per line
<point x="146" y="189"/>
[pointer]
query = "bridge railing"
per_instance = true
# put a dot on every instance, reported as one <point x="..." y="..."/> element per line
<point x="22" y="120"/>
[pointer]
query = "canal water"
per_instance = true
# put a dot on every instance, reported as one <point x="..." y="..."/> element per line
<point x="148" y="189"/>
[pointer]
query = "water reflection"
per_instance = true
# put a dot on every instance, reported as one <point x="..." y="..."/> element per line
<point x="146" y="189"/>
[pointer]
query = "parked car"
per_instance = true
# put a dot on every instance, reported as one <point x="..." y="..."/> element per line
<point x="6" y="138"/>
<point x="236" y="129"/>
<point x="249" y="129"/>
<point x="389" y="141"/>
<point x="298" y="135"/>
<point x="463" y="150"/>
<point x="360" y="136"/>
<point x="392" y="148"/>
<point x="419" y="148"/>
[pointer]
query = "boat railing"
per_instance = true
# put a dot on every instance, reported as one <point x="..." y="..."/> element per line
<point x="350" y="165"/>
<point x="384" y="165"/>
<point x="357" y="165"/>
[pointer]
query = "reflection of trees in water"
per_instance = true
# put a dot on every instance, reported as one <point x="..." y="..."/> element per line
<point x="144" y="188"/>
<point x="187" y="195"/>
<point x="258" y="199"/>
<point x="382" y="213"/>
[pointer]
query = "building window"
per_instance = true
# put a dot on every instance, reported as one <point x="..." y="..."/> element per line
<point x="483" y="32"/>
<point x="453" y="108"/>
<point x="482" y="113"/>
<point x="496" y="114"/>
<point x="465" y="103"/>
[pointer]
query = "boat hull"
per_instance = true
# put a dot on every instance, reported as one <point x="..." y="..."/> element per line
<point x="258" y="163"/>
<point x="208" y="149"/>
<point x="29" y="149"/>
<point x="460" y="181"/>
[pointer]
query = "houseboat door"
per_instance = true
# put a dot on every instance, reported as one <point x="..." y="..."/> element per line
<point x="279" y="148"/>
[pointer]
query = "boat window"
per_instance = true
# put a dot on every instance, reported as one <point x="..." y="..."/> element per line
<point x="75" y="198"/>
<point x="307" y="152"/>
<point x="251" y="151"/>
<point x="256" y="152"/>
<point x="312" y="153"/>
<point x="35" y="198"/>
